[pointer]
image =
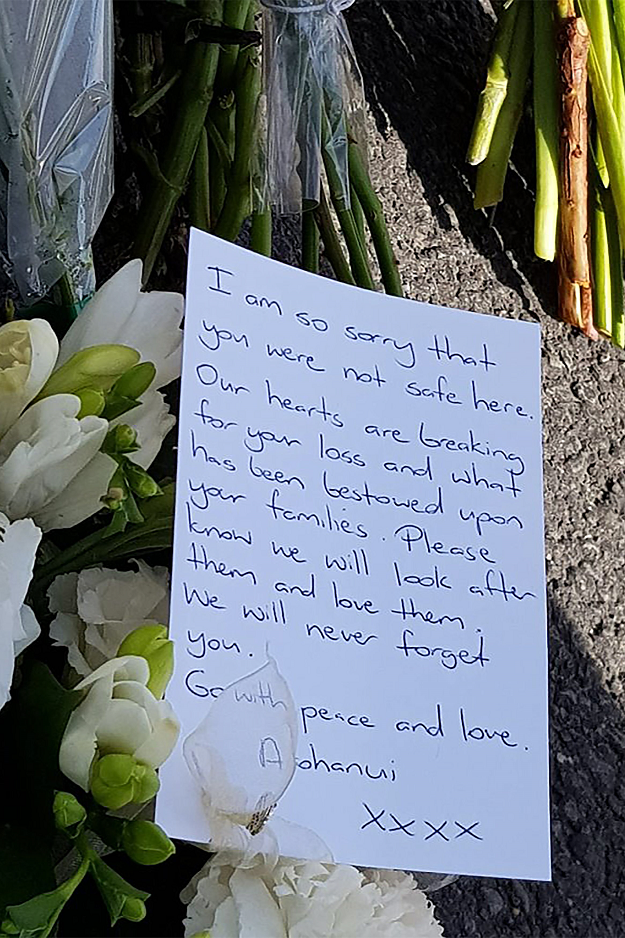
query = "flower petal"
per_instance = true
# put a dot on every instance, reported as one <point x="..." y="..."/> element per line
<point x="123" y="728"/>
<point x="43" y="451"/>
<point x="155" y="750"/>
<point x="103" y="320"/>
<point x="152" y="420"/>
<point x="28" y="351"/>
<point x="81" y="499"/>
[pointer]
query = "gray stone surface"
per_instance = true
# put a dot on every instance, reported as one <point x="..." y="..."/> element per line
<point x="422" y="62"/>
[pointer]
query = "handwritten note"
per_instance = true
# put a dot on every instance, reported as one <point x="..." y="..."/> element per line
<point x="358" y="597"/>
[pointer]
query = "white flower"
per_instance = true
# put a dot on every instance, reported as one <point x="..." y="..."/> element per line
<point x="43" y="452"/>
<point x="18" y="626"/>
<point x="152" y="420"/>
<point x="118" y="715"/>
<point x="28" y="351"/>
<point x="304" y="899"/>
<point x="97" y="609"/>
<point x="120" y="313"/>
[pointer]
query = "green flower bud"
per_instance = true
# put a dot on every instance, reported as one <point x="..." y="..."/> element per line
<point x="133" y="909"/>
<point x="202" y="934"/>
<point x="91" y="403"/>
<point x="68" y="812"/>
<point x="112" y="780"/>
<point x="120" y="439"/>
<point x="151" y="642"/>
<point x="146" y="843"/>
<point x="135" y="381"/>
<point x="146" y="784"/>
<point x="140" y="481"/>
<point x="98" y="367"/>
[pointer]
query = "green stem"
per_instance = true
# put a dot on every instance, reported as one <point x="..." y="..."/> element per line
<point x="237" y="202"/>
<point x="260" y="238"/>
<point x="372" y="208"/>
<point x="546" y="124"/>
<point x="495" y="89"/>
<point x="607" y="267"/>
<point x="196" y="90"/>
<point x="68" y="888"/>
<point x="491" y="173"/>
<point x="357" y="257"/>
<point x="235" y="15"/>
<point x="604" y="38"/>
<point x="359" y="215"/>
<point x="610" y="135"/>
<point x="310" y="242"/>
<point x="199" y="194"/>
<point x="331" y="243"/>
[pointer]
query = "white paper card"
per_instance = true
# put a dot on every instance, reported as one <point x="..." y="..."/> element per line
<point x="358" y="596"/>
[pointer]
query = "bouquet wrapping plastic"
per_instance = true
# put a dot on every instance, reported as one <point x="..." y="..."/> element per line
<point x="313" y="93"/>
<point x="56" y="141"/>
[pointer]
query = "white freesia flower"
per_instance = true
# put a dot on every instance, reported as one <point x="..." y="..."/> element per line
<point x="18" y="626"/>
<point x="28" y="351"/>
<point x="43" y="452"/>
<point x="82" y="498"/>
<point x="97" y="608"/>
<point x="152" y="420"/>
<point x="118" y="715"/>
<point x="304" y="899"/>
<point x="120" y="313"/>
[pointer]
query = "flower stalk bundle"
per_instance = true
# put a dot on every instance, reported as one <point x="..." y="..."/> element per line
<point x="577" y="49"/>
<point x="230" y="127"/>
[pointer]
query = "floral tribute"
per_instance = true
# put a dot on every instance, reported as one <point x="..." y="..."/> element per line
<point x="86" y="381"/>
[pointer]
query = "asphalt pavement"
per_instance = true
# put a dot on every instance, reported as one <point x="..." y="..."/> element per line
<point x="423" y="62"/>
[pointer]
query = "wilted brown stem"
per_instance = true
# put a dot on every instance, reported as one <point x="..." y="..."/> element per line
<point x="575" y="299"/>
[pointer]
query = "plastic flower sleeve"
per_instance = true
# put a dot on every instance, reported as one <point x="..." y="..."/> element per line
<point x="313" y="89"/>
<point x="56" y="153"/>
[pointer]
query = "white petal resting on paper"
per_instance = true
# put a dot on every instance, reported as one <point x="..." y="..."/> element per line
<point x="28" y="351"/>
<point x="243" y="752"/>
<point x="119" y="313"/>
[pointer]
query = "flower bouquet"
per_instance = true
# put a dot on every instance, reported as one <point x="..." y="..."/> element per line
<point x="86" y="388"/>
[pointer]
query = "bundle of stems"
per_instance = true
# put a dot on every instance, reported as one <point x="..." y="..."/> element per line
<point x="195" y="108"/>
<point x="578" y="53"/>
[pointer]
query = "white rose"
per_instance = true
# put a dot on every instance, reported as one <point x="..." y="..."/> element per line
<point x="97" y="608"/>
<point x="304" y="899"/>
<point x="118" y="715"/>
<point x="43" y="452"/>
<point x="18" y="626"/>
<point x="28" y="351"/>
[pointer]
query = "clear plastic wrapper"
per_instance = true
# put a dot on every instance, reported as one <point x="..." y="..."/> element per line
<point x="56" y="140"/>
<point x="313" y="93"/>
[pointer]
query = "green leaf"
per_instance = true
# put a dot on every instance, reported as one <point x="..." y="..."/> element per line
<point x="36" y="917"/>
<point x="31" y="729"/>
<point x="115" y="890"/>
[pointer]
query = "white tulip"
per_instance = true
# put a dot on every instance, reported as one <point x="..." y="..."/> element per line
<point x="28" y="351"/>
<point x="44" y="451"/>
<point x="118" y="715"/>
<point x="97" y="608"/>
<point x="120" y="313"/>
<point x="302" y="899"/>
<point x="18" y="625"/>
